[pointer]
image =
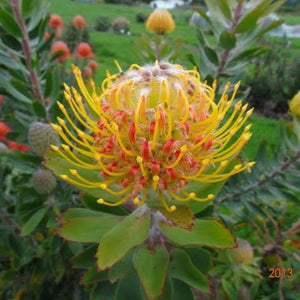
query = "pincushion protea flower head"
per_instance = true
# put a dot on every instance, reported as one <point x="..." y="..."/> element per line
<point x="152" y="129"/>
<point x="294" y="105"/>
<point x="160" y="21"/>
<point x="78" y="22"/>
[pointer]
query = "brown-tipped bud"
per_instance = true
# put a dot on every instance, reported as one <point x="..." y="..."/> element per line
<point x="44" y="182"/>
<point x="41" y="136"/>
<point x="243" y="253"/>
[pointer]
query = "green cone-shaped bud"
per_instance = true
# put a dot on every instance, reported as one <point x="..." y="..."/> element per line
<point x="3" y="149"/>
<point x="243" y="253"/>
<point x="41" y="136"/>
<point x="44" y="182"/>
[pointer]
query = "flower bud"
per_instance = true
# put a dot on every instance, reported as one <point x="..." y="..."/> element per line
<point x="44" y="182"/>
<point x="41" y="136"/>
<point x="243" y="253"/>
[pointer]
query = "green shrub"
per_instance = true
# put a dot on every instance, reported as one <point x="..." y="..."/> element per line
<point x="102" y="24"/>
<point x="141" y="17"/>
<point x="121" y="25"/>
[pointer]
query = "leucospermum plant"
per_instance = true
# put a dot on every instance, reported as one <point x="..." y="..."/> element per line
<point x="154" y="140"/>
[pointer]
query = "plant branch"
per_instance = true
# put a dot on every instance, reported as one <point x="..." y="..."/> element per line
<point x="225" y="54"/>
<point x="32" y="77"/>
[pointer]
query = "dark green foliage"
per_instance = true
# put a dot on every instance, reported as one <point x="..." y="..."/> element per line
<point x="274" y="80"/>
<point x="141" y="17"/>
<point x="102" y="24"/>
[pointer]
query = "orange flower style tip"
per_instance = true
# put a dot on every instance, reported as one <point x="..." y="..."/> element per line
<point x="55" y="21"/>
<point x="84" y="51"/>
<point x="93" y="65"/>
<point x="160" y="21"/>
<point x="61" y="46"/>
<point x="78" y="22"/>
<point x="151" y="131"/>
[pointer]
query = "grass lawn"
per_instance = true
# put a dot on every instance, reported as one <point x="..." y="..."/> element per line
<point x="109" y="46"/>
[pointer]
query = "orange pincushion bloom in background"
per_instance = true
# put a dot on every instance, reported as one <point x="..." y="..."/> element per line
<point x="93" y="65"/>
<point x="1" y="99"/>
<point x="4" y="129"/>
<point x="61" y="46"/>
<point x="87" y="72"/>
<point x="55" y="21"/>
<point x="46" y="36"/>
<point x="151" y="131"/>
<point x="84" y="51"/>
<point x="78" y="22"/>
<point x="160" y="21"/>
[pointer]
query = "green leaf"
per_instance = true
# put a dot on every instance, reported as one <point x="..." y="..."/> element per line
<point x="103" y="291"/>
<point x="128" y="288"/>
<point x="168" y="290"/>
<point x="211" y="55"/>
<point x="85" y="259"/>
<point x="247" y="54"/>
<point x="200" y="37"/>
<point x="9" y="24"/>
<point x="248" y="23"/>
<point x="39" y="109"/>
<point x="93" y="275"/>
<point x="203" y="14"/>
<point x="39" y="12"/>
<point x="200" y="258"/>
<point x="27" y="7"/>
<point x="151" y="266"/>
<point x="84" y="225"/>
<point x="132" y="231"/>
<point x="228" y="288"/>
<point x="48" y="84"/>
<point x="223" y="5"/>
<point x="182" y="291"/>
<point x="181" y="268"/>
<point x="204" y="233"/>
<point x="34" y="221"/>
<point x="122" y="268"/>
<point x="227" y="40"/>
<point x="271" y="26"/>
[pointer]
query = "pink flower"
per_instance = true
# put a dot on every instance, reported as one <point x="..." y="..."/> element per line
<point x="93" y="65"/>
<point x="79" y="22"/>
<point x="55" y="21"/>
<point x="61" y="46"/>
<point x="84" y="51"/>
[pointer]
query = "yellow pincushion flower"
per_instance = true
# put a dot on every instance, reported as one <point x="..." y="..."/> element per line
<point x="294" y="105"/>
<point x="152" y="129"/>
<point x="160" y="21"/>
